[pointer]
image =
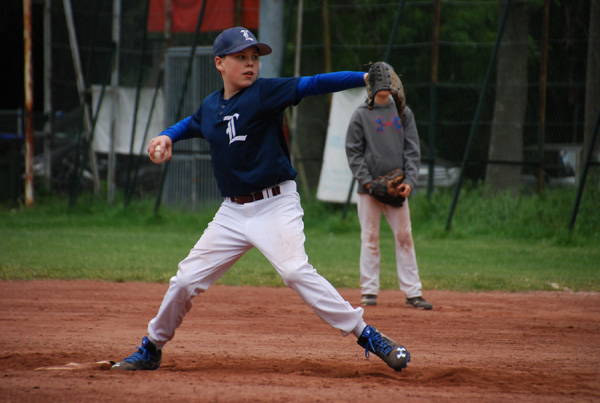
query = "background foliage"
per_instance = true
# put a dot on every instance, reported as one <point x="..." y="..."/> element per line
<point x="359" y="31"/>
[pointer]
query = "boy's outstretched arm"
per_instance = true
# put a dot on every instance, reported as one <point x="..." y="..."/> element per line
<point x="330" y="82"/>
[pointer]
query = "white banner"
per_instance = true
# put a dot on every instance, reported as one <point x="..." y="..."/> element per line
<point x="123" y="110"/>
<point x="336" y="177"/>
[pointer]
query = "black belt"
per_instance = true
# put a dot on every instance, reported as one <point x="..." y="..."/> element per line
<point x="249" y="198"/>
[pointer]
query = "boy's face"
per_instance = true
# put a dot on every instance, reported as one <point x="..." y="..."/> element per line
<point x="382" y="97"/>
<point x="239" y="70"/>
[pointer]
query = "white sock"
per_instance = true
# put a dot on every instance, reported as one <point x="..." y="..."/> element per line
<point x="359" y="329"/>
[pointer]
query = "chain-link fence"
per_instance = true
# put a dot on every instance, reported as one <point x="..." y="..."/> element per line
<point x="531" y="109"/>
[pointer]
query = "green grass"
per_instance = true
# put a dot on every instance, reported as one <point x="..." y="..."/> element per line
<point x="502" y="243"/>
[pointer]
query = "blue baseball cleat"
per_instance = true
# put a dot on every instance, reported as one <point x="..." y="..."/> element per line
<point x="145" y="358"/>
<point x="392" y="353"/>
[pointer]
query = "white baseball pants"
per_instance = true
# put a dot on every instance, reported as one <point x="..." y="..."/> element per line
<point x="273" y="225"/>
<point x="369" y="214"/>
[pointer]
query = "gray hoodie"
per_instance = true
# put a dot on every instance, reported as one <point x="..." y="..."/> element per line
<point x="378" y="141"/>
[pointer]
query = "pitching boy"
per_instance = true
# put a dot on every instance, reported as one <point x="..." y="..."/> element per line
<point x="243" y="124"/>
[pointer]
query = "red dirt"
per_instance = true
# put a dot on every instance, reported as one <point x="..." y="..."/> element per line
<point x="263" y="344"/>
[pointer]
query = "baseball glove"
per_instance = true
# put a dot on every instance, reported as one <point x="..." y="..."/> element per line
<point x="382" y="77"/>
<point x="385" y="188"/>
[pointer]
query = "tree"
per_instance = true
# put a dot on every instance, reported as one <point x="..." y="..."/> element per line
<point x="506" y="141"/>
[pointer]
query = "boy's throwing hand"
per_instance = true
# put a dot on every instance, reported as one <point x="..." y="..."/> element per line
<point x="159" y="149"/>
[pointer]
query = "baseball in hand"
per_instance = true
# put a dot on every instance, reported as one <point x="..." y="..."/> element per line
<point x="157" y="151"/>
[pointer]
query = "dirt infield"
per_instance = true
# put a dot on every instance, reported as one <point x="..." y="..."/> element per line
<point x="263" y="344"/>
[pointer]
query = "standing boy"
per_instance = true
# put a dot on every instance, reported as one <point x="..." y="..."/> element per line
<point x="379" y="141"/>
<point x="243" y="124"/>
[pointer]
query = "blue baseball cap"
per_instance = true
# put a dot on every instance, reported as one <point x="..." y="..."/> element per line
<point x="236" y="39"/>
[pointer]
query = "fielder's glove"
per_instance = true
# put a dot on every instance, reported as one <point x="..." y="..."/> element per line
<point x="385" y="188"/>
<point x="382" y="77"/>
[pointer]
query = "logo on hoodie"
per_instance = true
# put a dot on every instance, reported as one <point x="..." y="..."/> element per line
<point x="397" y="123"/>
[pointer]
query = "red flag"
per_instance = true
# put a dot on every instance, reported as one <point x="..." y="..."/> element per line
<point x="218" y="15"/>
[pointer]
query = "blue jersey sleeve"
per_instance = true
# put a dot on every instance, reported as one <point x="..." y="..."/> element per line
<point x="329" y="82"/>
<point x="179" y="131"/>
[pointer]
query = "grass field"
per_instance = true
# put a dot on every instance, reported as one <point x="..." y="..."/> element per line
<point x="501" y="243"/>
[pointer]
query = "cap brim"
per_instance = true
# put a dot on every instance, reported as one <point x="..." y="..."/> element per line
<point x="263" y="49"/>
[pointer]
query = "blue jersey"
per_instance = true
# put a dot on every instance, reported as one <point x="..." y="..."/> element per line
<point x="245" y="133"/>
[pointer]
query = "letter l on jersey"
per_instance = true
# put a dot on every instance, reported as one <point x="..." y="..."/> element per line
<point x="231" y="128"/>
